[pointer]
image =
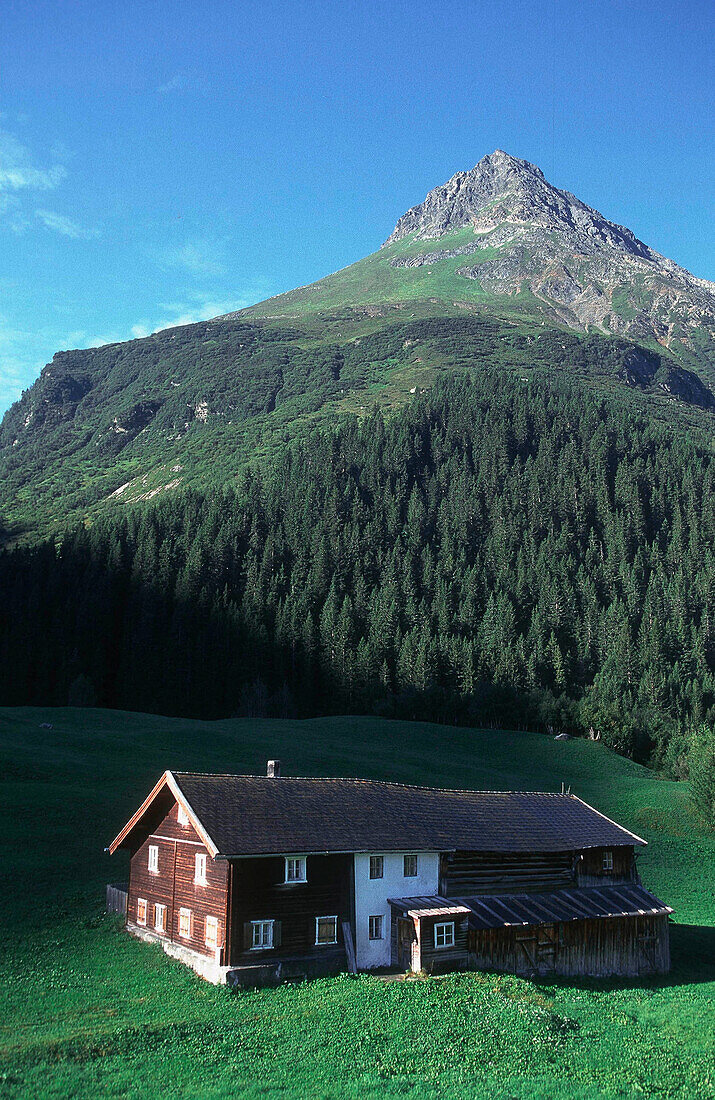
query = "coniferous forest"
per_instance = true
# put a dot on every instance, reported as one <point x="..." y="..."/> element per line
<point x="521" y="554"/>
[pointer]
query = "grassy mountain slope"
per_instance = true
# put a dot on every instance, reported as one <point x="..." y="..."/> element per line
<point x="88" y="1011"/>
<point x="190" y="406"/>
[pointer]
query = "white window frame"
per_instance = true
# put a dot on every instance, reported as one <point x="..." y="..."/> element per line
<point x="608" y="860"/>
<point x="182" y="817"/>
<point x="200" y="869"/>
<point x="269" y="943"/>
<point x="381" y="866"/>
<point x="185" y="928"/>
<point x="211" y="941"/>
<point x="153" y="859"/>
<point x="380" y="926"/>
<point x="445" y="930"/>
<point x="410" y="855"/>
<point x="159" y="911"/>
<point x="140" y="902"/>
<point x="300" y="865"/>
<point x="326" y="943"/>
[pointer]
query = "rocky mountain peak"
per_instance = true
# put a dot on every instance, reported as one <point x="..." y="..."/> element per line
<point x="502" y="190"/>
<point x="527" y="235"/>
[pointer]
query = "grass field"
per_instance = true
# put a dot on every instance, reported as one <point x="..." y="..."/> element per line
<point x="85" y="1010"/>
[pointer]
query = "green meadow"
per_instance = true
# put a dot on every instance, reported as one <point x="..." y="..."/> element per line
<point x="85" y="1010"/>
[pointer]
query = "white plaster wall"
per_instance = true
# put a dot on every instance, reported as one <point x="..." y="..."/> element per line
<point x="371" y="896"/>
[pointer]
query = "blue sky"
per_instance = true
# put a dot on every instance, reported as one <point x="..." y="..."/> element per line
<point x="165" y="162"/>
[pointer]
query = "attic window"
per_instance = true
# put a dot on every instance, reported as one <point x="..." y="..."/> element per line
<point x="200" y="869"/>
<point x="181" y="816"/>
<point x="153" y="864"/>
<point x="608" y="861"/>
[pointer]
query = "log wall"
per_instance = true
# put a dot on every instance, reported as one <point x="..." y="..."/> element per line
<point x="259" y="892"/>
<point x="466" y="874"/>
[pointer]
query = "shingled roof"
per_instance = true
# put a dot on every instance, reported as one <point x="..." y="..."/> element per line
<point x="248" y="815"/>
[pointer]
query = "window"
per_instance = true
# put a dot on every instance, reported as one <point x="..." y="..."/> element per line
<point x="185" y="923"/>
<point x="212" y="932"/>
<point x="295" y="869"/>
<point x="262" y="936"/>
<point x="444" y="934"/>
<point x="326" y="930"/>
<point x="608" y="861"/>
<point x="410" y="868"/>
<point x="377" y="866"/>
<point x="200" y="869"/>
<point x="154" y="859"/>
<point x="181" y="816"/>
<point x="141" y="910"/>
<point x="160" y="918"/>
<point x="375" y="927"/>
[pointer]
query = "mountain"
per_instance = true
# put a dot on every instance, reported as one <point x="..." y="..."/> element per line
<point x="496" y="270"/>
<point x="502" y="234"/>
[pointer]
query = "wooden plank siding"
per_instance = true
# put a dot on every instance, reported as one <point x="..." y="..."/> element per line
<point x="259" y="892"/>
<point x="603" y="947"/>
<point x="439" y="960"/>
<point x="173" y="885"/>
<point x="591" y="872"/>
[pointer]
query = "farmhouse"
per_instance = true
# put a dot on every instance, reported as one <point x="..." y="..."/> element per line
<point x="257" y="879"/>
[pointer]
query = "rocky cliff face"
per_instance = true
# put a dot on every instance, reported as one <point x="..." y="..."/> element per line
<point x="586" y="270"/>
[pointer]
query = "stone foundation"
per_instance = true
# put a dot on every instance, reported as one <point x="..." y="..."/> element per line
<point x="204" y="966"/>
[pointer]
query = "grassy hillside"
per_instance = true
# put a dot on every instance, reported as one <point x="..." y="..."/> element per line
<point x="87" y="1011"/>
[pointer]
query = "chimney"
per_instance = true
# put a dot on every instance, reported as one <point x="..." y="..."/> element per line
<point x="273" y="770"/>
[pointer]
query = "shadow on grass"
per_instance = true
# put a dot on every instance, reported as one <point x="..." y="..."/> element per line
<point x="692" y="953"/>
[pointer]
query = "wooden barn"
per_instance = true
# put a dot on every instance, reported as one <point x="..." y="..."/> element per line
<point x="258" y="879"/>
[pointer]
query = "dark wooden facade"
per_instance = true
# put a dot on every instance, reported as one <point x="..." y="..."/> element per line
<point x="173" y="885"/>
<point x="259" y="892"/>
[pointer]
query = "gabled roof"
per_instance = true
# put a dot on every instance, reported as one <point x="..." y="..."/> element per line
<point x="518" y="910"/>
<point x="244" y="815"/>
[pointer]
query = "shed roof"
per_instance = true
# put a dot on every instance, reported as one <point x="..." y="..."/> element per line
<point x="256" y="815"/>
<point x="518" y="910"/>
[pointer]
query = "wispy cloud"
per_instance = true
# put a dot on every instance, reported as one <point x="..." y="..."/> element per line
<point x="200" y="257"/>
<point x="174" y="84"/>
<point x="65" y="226"/>
<point x="18" y="172"/>
<point x="201" y="307"/>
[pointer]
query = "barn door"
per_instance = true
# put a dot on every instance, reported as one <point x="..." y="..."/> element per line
<point x="538" y="946"/>
<point x="647" y="945"/>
